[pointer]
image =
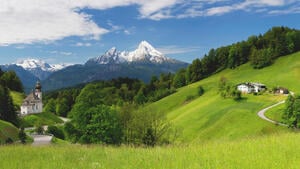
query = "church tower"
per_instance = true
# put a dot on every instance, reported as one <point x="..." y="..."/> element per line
<point x="38" y="90"/>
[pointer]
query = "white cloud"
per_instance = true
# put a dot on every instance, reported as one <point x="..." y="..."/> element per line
<point x="31" y="21"/>
<point x="60" y="52"/>
<point x="83" y="44"/>
<point x="173" y="49"/>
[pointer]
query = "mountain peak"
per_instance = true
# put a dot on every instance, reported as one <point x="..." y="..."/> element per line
<point x="33" y="64"/>
<point x="145" y="45"/>
<point x="144" y="53"/>
<point x="112" y="51"/>
<point x="30" y="64"/>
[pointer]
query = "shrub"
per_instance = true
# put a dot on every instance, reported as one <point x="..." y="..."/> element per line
<point x="57" y="132"/>
<point x="200" y="91"/>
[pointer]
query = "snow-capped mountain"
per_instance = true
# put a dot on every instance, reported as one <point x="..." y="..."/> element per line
<point x="31" y="64"/>
<point x="39" y="69"/>
<point x="145" y="53"/>
<point x="112" y="56"/>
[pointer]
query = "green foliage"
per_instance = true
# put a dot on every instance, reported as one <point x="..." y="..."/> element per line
<point x="39" y="129"/>
<point x="7" y="111"/>
<point x="261" y="58"/>
<point x="179" y="79"/>
<point x="50" y="106"/>
<point x="57" y="132"/>
<point x="228" y="91"/>
<point x="147" y="127"/>
<point x="292" y="111"/>
<point x="12" y="81"/>
<point x="22" y="136"/>
<point x="200" y="91"/>
<point x="98" y="124"/>
<point x="149" y="138"/>
<point x="62" y="107"/>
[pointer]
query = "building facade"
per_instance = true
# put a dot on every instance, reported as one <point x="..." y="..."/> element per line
<point x="251" y="87"/>
<point x="33" y="102"/>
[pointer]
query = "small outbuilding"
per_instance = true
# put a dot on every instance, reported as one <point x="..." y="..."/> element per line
<point x="282" y="90"/>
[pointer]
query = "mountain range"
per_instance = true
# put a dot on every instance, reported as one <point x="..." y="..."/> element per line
<point x="142" y="63"/>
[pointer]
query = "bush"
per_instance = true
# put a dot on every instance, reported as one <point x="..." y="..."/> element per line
<point x="200" y="91"/>
<point x="57" y="132"/>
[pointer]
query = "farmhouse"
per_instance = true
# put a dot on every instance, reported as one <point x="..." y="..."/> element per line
<point x="33" y="102"/>
<point x="250" y="87"/>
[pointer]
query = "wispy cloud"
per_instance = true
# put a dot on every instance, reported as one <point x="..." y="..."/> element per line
<point x="173" y="49"/>
<point x="80" y="44"/>
<point x="61" y="53"/>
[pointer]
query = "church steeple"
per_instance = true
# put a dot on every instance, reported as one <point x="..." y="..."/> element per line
<point x="38" y="90"/>
<point x="38" y="86"/>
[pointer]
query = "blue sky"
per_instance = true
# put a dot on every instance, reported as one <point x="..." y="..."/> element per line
<point x="72" y="31"/>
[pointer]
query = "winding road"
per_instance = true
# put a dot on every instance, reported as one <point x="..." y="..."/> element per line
<point x="261" y="114"/>
<point x="39" y="139"/>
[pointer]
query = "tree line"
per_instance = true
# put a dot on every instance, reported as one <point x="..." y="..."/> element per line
<point x="112" y="112"/>
<point x="9" y="81"/>
<point x="260" y="51"/>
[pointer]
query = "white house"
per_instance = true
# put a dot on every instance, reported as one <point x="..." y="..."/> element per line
<point x="251" y="87"/>
<point x="258" y="87"/>
<point x="33" y="102"/>
<point x="245" y="88"/>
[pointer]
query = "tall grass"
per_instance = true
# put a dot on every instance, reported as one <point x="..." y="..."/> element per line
<point x="275" y="151"/>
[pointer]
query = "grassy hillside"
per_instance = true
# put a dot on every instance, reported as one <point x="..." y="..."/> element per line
<point x="17" y="98"/>
<point x="7" y="130"/>
<point x="211" y="117"/>
<point x="276" y="113"/>
<point x="272" y="152"/>
<point x="41" y="119"/>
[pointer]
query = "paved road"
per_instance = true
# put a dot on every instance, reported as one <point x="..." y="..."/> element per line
<point x="41" y="140"/>
<point x="261" y="114"/>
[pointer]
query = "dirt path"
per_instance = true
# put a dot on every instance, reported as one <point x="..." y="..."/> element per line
<point x="261" y="114"/>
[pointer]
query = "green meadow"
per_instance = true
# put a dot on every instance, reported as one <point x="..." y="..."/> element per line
<point x="273" y="151"/>
<point x="211" y="117"/>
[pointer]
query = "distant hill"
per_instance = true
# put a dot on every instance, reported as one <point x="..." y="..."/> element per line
<point x="142" y="63"/>
<point x="210" y="117"/>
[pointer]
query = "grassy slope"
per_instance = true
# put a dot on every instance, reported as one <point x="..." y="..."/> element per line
<point x="265" y="152"/>
<point x="211" y="117"/>
<point x="17" y="98"/>
<point x="41" y="118"/>
<point x="7" y="130"/>
<point x="276" y="113"/>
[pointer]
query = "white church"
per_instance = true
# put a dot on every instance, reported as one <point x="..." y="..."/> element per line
<point x="33" y="102"/>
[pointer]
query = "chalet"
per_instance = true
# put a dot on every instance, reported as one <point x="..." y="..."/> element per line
<point x="249" y="87"/>
<point x="33" y="102"/>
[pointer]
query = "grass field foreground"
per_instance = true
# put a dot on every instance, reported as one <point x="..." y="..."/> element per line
<point x="274" y="151"/>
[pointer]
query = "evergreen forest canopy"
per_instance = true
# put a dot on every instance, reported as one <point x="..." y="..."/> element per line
<point x="260" y="51"/>
<point x="9" y="81"/>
